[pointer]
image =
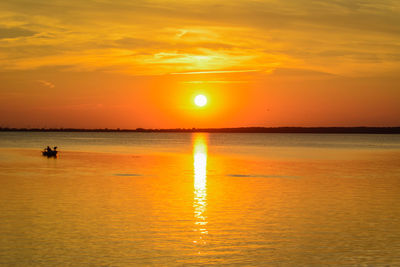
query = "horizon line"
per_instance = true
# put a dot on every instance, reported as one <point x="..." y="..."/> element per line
<point x="244" y="129"/>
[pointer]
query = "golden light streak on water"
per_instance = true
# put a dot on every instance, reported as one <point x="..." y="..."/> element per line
<point x="200" y="186"/>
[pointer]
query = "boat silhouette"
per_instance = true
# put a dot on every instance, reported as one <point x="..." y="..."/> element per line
<point x="48" y="152"/>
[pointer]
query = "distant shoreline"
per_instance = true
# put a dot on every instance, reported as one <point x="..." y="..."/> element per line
<point x="319" y="130"/>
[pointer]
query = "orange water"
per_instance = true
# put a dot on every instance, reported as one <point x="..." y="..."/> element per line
<point x="195" y="199"/>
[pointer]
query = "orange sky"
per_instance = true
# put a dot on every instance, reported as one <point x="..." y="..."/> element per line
<point x="129" y="64"/>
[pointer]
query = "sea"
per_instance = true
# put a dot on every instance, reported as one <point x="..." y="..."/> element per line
<point x="197" y="199"/>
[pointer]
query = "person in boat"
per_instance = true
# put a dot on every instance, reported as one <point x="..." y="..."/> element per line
<point x="50" y="152"/>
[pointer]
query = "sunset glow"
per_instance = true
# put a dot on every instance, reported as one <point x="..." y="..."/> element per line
<point x="200" y="132"/>
<point x="129" y="64"/>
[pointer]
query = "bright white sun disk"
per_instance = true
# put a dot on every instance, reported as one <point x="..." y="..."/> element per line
<point x="200" y="100"/>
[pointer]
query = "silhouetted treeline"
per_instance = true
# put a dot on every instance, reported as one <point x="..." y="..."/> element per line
<point x="327" y="130"/>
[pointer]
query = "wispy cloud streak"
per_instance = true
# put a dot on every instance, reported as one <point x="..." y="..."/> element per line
<point x="206" y="82"/>
<point x="214" y="72"/>
<point x="46" y="83"/>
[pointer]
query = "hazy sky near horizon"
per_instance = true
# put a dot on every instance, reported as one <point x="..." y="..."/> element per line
<point x="128" y="64"/>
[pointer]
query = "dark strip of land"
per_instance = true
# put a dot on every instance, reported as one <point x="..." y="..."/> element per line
<point x="319" y="130"/>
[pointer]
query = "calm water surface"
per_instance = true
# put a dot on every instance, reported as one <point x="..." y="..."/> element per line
<point x="166" y="199"/>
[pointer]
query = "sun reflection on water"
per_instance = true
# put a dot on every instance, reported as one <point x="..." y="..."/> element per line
<point x="200" y="185"/>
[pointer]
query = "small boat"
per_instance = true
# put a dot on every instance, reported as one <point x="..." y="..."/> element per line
<point x="48" y="152"/>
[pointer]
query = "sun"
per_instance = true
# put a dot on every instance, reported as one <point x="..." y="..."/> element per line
<point x="200" y="100"/>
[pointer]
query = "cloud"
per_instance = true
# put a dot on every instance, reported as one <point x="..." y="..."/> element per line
<point x="46" y="83"/>
<point x="157" y="37"/>
<point x="214" y="72"/>
<point x="15" y="32"/>
<point x="211" y="82"/>
<point x="138" y="43"/>
<point x="300" y="72"/>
